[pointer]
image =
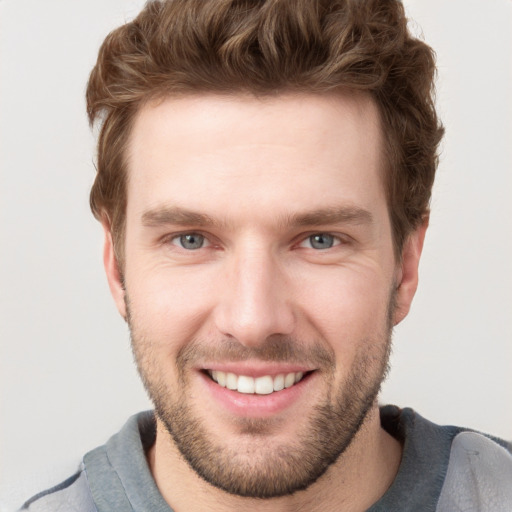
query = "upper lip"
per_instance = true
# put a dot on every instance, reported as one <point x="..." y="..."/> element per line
<point x="255" y="369"/>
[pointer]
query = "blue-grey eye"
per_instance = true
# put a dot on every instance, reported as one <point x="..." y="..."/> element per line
<point x="322" y="241"/>
<point x="191" y="241"/>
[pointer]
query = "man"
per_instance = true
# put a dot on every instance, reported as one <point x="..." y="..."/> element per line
<point x="264" y="175"/>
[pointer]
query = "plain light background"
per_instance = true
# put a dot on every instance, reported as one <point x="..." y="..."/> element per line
<point x="67" y="380"/>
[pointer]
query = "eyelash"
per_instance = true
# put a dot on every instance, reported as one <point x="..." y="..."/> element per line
<point x="336" y="240"/>
<point x="176" y="240"/>
<point x="178" y="237"/>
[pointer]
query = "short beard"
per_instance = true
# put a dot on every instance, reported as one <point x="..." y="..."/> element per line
<point x="263" y="469"/>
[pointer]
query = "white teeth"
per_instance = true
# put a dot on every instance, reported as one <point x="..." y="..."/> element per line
<point x="221" y="379"/>
<point x="264" y="385"/>
<point x="245" y="384"/>
<point x="278" y="382"/>
<point x="260" y="385"/>
<point x="289" y="380"/>
<point x="231" y="381"/>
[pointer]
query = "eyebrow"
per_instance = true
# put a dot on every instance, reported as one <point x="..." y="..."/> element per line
<point x="331" y="215"/>
<point x="324" y="216"/>
<point x="177" y="216"/>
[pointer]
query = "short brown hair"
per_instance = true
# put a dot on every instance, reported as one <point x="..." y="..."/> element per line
<point x="268" y="47"/>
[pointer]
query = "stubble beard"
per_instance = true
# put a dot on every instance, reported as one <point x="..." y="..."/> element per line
<point x="260" y="468"/>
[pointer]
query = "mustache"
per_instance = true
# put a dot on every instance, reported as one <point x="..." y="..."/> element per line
<point x="274" y="349"/>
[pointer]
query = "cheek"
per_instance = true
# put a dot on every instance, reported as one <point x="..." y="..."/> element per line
<point x="347" y="306"/>
<point x="168" y="308"/>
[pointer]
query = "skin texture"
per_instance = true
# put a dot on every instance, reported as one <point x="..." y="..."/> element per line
<point x="253" y="181"/>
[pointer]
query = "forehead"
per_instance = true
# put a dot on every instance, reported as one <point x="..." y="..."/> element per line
<point x="275" y="151"/>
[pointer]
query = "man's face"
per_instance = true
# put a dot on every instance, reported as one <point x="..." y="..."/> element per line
<point x="260" y="280"/>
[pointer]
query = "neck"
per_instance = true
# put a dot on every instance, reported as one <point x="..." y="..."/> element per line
<point x="357" y="480"/>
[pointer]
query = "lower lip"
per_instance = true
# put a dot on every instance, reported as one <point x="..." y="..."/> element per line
<point x="257" y="406"/>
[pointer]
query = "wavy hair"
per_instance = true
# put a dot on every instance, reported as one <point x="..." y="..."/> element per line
<point x="268" y="47"/>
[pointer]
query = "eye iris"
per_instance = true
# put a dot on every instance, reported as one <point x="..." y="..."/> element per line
<point x="192" y="241"/>
<point x="321" y="241"/>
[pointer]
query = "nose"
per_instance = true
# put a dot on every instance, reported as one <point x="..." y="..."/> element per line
<point x="256" y="300"/>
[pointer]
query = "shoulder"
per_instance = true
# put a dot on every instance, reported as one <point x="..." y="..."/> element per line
<point x="479" y="474"/>
<point x="106" y="474"/>
<point x="72" y="495"/>
<point x="446" y="468"/>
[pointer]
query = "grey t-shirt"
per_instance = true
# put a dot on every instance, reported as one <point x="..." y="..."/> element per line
<point x="443" y="469"/>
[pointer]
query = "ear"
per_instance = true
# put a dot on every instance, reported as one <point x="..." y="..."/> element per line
<point x="112" y="270"/>
<point x="407" y="271"/>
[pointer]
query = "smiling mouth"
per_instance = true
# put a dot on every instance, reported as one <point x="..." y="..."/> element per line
<point x="264" y="385"/>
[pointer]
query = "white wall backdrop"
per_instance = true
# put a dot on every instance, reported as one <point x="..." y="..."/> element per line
<point x="67" y="381"/>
